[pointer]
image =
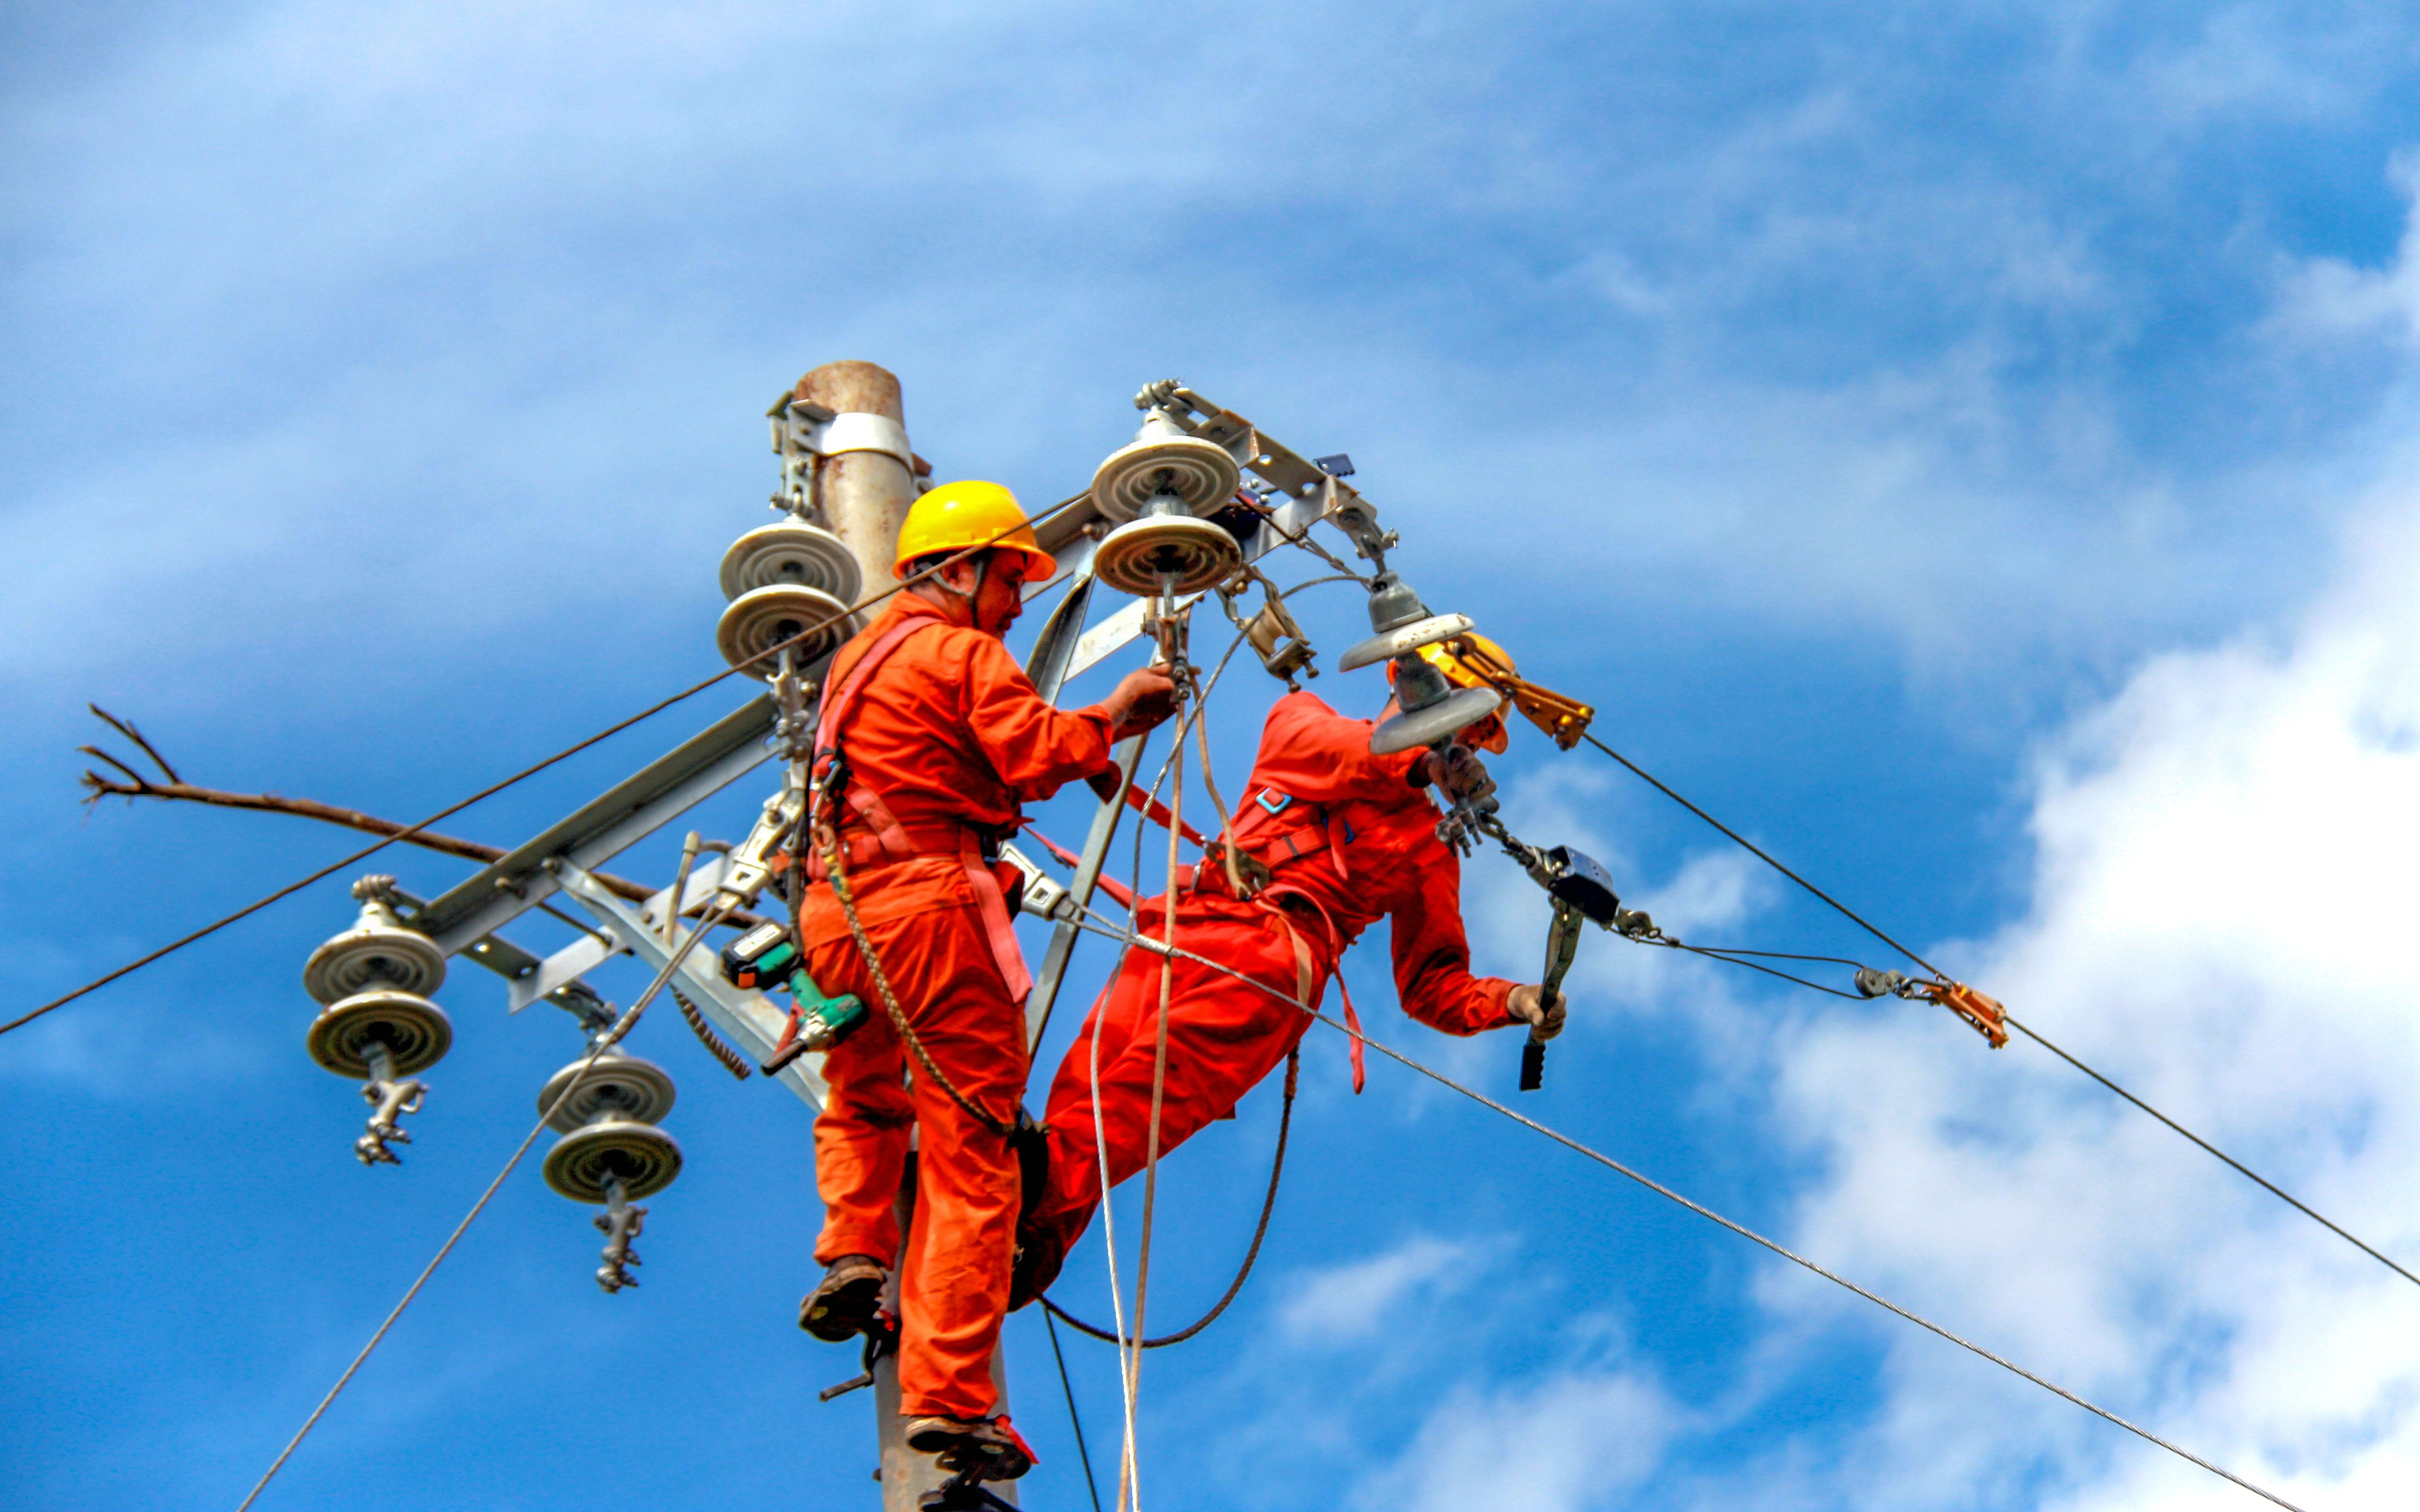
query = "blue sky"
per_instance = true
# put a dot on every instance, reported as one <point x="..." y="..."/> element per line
<point x="1964" y="448"/>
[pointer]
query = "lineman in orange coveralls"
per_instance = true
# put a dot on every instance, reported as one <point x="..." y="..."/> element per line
<point x="941" y="738"/>
<point x="1349" y="837"/>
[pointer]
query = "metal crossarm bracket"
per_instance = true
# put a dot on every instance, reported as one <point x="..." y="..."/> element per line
<point x="632" y="810"/>
<point x="748" y="1019"/>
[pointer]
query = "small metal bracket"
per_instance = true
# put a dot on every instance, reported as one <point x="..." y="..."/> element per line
<point x="390" y="1098"/>
<point x="620" y="1222"/>
<point x="805" y="434"/>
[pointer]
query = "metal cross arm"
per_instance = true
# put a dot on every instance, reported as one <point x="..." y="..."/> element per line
<point x="627" y="813"/>
<point x="752" y="1020"/>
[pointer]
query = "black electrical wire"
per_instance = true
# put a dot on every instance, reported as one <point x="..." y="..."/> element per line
<point x="1074" y="1419"/>
<point x="605" y="1042"/>
<point x="1851" y="915"/>
<point x="1243" y="1272"/>
<point x="526" y="772"/>
<point x="1712" y="955"/>
<point x="1134" y="938"/>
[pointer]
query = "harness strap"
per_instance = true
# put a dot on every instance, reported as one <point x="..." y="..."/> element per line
<point x="1302" y="966"/>
<point x="991" y="903"/>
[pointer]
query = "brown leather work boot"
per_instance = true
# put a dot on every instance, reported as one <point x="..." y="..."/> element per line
<point x="845" y="1302"/>
<point x="994" y="1449"/>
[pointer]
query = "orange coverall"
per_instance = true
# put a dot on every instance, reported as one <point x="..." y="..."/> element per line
<point x="1350" y="840"/>
<point x="947" y="733"/>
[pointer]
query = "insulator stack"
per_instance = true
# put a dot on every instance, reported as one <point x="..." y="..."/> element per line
<point x="611" y="1152"/>
<point x="376" y="1023"/>
<point x="1158" y="484"/>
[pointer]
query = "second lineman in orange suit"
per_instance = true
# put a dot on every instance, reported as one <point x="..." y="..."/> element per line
<point x="1349" y="837"/>
<point x="939" y="738"/>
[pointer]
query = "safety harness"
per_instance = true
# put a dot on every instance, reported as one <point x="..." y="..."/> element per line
<point x="886" y="839"/>
<point x="890" y="841"/>
<point x="1315" y="830"/>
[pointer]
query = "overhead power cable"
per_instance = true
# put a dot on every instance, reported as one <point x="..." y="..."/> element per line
<point x="526" y="772"/>
<point x="1074" y="1419"/>
<point x="2011" y="1020"/>
<point x="1133" y="938"/>
<point x="605" y="1042"/>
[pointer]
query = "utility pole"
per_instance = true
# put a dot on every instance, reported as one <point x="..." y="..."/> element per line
<point x="862" y="480"/>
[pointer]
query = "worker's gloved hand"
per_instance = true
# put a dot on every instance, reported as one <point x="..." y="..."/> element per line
<point x="1458" y="773"/>
<point x="1546" y="1020"/>
<point x="1142" y="701"/>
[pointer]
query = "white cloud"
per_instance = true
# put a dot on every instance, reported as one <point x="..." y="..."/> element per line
<point x="1346" y="1302"/>
<point x="1575" y="1440"/>
<point x="2222" y="904"/>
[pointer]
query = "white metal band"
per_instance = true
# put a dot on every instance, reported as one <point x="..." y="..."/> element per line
<point x="859" y="431"/>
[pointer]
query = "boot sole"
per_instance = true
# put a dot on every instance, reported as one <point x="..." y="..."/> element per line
<point x="845" y="1312"/>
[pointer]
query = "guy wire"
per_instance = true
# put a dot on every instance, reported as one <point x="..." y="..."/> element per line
<point x="605" y="1042"/>
<point x="1849" y="913"/>
<point x="489" y="792"/>
<point x="1133" y="937"/>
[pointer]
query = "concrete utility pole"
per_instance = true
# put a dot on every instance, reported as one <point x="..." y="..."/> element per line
<point x="864" y="495"/>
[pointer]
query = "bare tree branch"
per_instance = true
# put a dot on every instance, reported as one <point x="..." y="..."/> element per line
<point x="127" y="729"/>
<point x="349" y="818"/>
<point x="99" y="754"/>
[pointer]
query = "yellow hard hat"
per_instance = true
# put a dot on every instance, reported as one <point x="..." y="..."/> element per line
<point x="970" y="512"/>
<point x="1467" y="660"/>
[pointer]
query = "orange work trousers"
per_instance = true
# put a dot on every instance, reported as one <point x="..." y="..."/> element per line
<point x="954" y="1273"/>
<point x="1223" y="1037"/>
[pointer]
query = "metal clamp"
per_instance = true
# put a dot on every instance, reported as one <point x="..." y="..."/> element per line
<point x="390" y="1098"/>
<point x="804" y="434"/>
<point x="620" y="1222"/>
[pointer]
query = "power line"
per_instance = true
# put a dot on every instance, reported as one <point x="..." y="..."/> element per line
<point x="1074" y="1419"/>
<point x="526" y="772"/>
<point x="604" y="1041"/>
<point x="1849" y="913"/>
<point x="1132" y="938"/>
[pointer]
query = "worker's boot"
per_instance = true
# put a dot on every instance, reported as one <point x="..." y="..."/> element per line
<point x="846" y="1301"/>
<point x="987" y="1445"/>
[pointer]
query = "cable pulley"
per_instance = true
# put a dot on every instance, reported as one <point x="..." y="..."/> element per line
<point x="1983" y="1014"/>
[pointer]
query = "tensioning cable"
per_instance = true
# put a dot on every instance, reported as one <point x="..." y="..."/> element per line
<point x="526" y="772"/>
<point x="605" y="1042"/>
<point x="1133" y="938"/>
<point x="2011" y="1019"/>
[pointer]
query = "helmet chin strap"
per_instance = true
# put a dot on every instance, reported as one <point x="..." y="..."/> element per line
<point x="982" y="570"/>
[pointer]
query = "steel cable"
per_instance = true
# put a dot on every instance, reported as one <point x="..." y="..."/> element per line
<point x="1851" y="915"/>
<point x="526" y="772"/>
<point x="605" y="1042"/>
<point x="1131" y="937"/>
<point x="1074" y="1419"/>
